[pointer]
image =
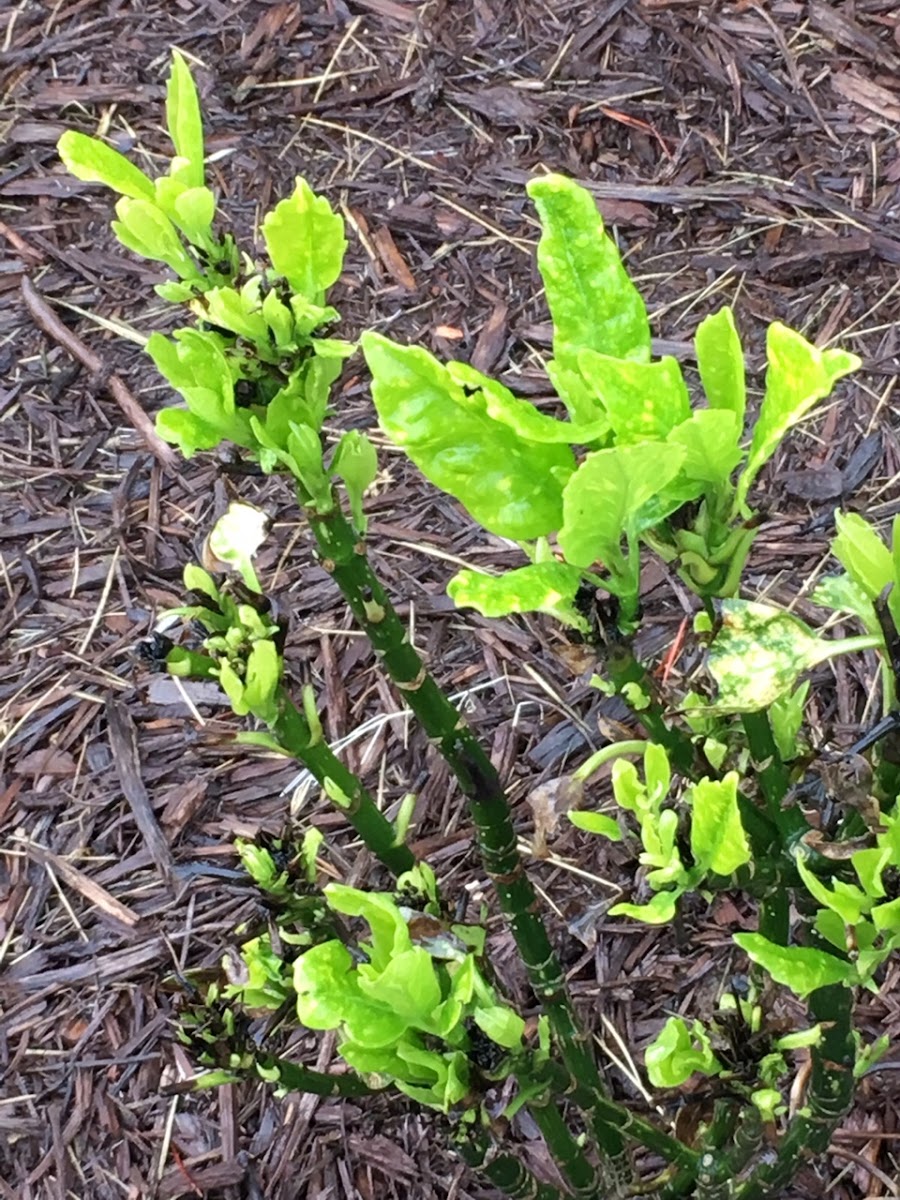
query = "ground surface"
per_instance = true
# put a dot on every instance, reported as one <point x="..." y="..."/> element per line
<point x="743" y="152"/>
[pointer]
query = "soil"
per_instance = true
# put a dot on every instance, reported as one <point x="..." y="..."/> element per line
<point x="741" y="152"/>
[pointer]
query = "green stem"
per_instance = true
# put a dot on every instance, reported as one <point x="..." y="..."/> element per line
<point x="292" y="732"/>
<point x="774" y="778"/>
<point x="479" y="1151"/>
<point x="568" y="1155"/>
<point x="628" y="1123"/>
<point x="295" y="1078"/>
<point x="604" y="755"/>
<point x="343" y="555"/>
<point x="829" y="1098"/>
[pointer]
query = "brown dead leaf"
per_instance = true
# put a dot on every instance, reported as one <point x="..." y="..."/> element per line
<point x="548" y="802"/>
<point x="49" y="761"/>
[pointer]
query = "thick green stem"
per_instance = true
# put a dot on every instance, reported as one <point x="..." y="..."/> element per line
<point x="829" y="1099"/>
<point x="343" y="556"/>
<point x="568" y="1155"/>
<point x="628" y="1123"/>
<point x="346" y="791"/>
<point x="774" y="780"/>
<point x="478" y="1150"/>
<point x="295" y="1078"/>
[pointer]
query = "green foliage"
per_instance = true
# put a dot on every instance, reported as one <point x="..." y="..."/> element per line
<point x="678" y="1052"/>
<point x="305" y="242"/>
<point x="403" y="1007"/>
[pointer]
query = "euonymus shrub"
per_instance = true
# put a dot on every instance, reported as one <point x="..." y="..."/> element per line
<point x="729" y="792"/>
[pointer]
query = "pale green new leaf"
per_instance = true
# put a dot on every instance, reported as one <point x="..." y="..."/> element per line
<point x="643" y="401"/>
<point x="547" y="587"/>
<point x="184" y="121"/>
<point x="862" y="553"/>
<point x="801" y="968"/>
<point x="718" y="841"/>
<point x="660" y="910"/>
<point x="603" y="499"/>
<point x="390" y="935"/>
<point x="798" y="376"/>
<point x="501" y="1025"/>
<point x="849" y="902"/>
<point x="511" y="486"/>
<point x="262" y="680"/>
<point x="720" y="359"/>
<point x="145" y="229"/>
<point x="594" y="822"/>
<point x="592" y="301"/>
<point x="93" y="161"/>
<point x="711" y="442"/>
<point x="356" y="462"/>
<point x="408" y="986"/>
<point x="677" y="1052"/>
<point x="194" y="212"/>
<point x="305" y="241"/>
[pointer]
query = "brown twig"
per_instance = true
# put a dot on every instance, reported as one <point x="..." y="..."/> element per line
<point x="46" y="319"/>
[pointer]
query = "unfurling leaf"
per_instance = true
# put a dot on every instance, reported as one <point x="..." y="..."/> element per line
<point x="305" y="241"/>
<point x="798" y="376"/>
<point x="185" y="122"/>
<point x="642" y="401"/>
<point x="720" y="359"/>
<point x="356" y="462"/>
<point x="711" y="442"/>
<point x="718" y="841"/>
<point x="677" y="1052"/>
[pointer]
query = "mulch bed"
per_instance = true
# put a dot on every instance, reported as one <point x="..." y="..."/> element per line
<point x="743" y="153"/>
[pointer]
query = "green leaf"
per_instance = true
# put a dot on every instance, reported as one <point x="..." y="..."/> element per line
<point x="195" y="209"/>
<point x="677" y="1052"/>
<point x="184" y="121"/>
<point x="239" y="312"/>
<point x="801" y="968"/>
<point x="511" y="486"/>
<point x="849" y="902"/>
<point x="523" y="418"/>
<point x="786" y="718"/>
<point x="328" y="997"/>
<point x="356" y="462"/>
<point x="390" y="935"/>
<point x="305" y="242"/>
<point x="602" y="500"/>
<point x="758" y="653"/>
<point x="841" y="594"/>
<point x="145" y="229"/>
<point x="660" y="910"/>
<point x="718" y="841"/>
<point x="547" y="587"/>
<point x="798" y="376"/>
<point x="710" y="439"/>
<point x="592" y="301"/>
<point x="408" y="985"/>
<point x="862" y="554"/>
<point x="262" y="680"/>
<point x="501" y="1025"/>
<point x="594" y="822"/>
<point x="236" y="539"/>
<point x="643" y="401"/>
<point x="720" y="358"/>
<point x="93" y="161"/>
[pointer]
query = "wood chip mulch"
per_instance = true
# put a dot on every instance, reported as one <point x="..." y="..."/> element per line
<point x="743" y="152"/>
